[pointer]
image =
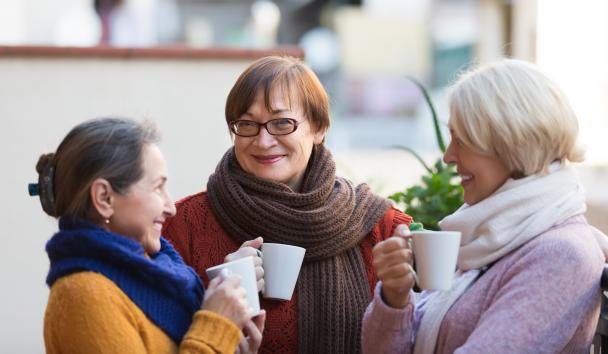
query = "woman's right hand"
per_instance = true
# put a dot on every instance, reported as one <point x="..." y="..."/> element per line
<point x="250" y="249"/>
<point x="226" y="297"/>
<point x="393" y="264"/>
<point x="252" y="339"/>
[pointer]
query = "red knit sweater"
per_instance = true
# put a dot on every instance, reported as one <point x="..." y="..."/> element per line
<point x="202" y="242"/>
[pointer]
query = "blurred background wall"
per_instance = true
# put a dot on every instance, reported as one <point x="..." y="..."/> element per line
<point x="42" y="99"/>
<point x="363" y="51"/>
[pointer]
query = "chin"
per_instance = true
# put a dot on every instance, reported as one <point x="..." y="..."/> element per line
<point x="152" y="247"/>
<point x="469" y="200"/>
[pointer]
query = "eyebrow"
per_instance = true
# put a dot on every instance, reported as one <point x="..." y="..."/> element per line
<point x="273" y="112"/>
<point x="161" y="179"/>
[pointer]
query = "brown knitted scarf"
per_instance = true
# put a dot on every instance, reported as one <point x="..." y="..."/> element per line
<point x="328" y="218"/>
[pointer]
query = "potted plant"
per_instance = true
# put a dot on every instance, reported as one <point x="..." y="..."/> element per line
<point x="438" y="195"/>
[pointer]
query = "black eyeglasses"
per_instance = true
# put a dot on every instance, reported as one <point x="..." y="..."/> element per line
<point x="249" y="128"/>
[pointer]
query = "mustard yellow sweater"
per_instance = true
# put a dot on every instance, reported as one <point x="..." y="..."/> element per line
<point x="88" y="313"/>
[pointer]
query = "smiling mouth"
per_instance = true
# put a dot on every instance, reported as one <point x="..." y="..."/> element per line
<point x="465" y="178"/>
<point x="158" y="225"/>
<point x="269" y="159"/>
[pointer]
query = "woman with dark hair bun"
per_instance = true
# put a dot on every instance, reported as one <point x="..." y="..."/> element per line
<point x="116" y="285"/>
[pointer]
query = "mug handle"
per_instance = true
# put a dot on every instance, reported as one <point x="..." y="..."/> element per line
<point x="410" y="246"/>
<point x="260" y="254"/>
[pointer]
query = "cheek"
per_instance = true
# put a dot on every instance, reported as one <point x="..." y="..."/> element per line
<point x="239" y="153"/>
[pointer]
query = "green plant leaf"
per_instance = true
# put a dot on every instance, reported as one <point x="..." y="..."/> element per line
<point x="431" y="106"/>
<point x="415" y="154"/>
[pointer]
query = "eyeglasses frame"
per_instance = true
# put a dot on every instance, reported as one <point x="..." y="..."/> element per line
<point x="232" y="126"/>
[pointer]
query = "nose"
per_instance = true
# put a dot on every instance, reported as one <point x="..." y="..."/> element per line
<point x="449" y="156"/>
<point x="264" y="139"/>
<point x="169" y="209"/>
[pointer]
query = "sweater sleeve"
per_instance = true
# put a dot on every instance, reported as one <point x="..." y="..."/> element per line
<point x="177" y="229"/>
<point x="85" y="312"/>
<point x="386" y="329"/>
<point x="548" y="298"/>
<point x="89" y="313"/>
<point x="385" y="227"/>
<point x="401" y="218"/>
<point x="210" y="333"/>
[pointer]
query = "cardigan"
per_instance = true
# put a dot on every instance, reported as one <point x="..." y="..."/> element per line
<point x="197" y="235"/>
<point x="87" y="312"/>
<point x="543" y="297"/>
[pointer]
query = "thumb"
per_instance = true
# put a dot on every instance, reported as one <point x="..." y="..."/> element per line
<point x="255" y="243"/>
<point x="403" y="231"/>
<point x="260" y="320"/>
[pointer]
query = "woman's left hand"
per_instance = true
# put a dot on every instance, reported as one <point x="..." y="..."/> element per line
<point x="250" y="249"/>
<point x="253" y="330"/>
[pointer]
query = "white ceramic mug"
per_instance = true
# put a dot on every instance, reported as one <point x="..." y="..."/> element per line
<point x="282" y="265"/>
<point x="246" y="269"/>
<point x="435" y="254"/>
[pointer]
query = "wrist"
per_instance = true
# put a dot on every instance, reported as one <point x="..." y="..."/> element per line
<point x="395" y="299"/>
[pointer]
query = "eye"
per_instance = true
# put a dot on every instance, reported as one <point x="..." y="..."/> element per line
<point x="283" y="122"/>
<point x="455" y="138"/>
<point x="161" y="187"/>
<point x="282" y="125"/>
<point x="244" y="124"/>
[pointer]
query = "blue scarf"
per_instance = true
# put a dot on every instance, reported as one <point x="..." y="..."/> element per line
<point x="162" y="286"/>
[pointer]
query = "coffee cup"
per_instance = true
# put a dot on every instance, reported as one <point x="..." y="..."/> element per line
<point x="245" y="268"/>
<point x="282" y="265"/>
<point x="435" y="255"/>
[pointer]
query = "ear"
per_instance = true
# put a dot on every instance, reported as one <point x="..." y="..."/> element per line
<point x="320" y="136"/>
<point x="102" y="197"/>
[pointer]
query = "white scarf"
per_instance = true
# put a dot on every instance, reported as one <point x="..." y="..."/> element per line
<point x="516" y="213"/>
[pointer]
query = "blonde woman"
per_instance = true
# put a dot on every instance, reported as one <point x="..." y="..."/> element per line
<point x="529" y="266"/>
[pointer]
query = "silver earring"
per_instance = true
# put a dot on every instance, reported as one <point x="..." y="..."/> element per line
<point x="107" y="221"/>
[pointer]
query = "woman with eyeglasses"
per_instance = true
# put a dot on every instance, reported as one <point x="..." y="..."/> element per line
<point x="116" y="285"/>
<point x="278" y="184"/>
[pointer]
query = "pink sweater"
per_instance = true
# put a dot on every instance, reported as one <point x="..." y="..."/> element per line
<point x="542" y="298"/>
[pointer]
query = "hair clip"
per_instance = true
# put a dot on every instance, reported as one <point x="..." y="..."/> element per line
<point x="44" y="189"/>
<point x="32" y="189"/>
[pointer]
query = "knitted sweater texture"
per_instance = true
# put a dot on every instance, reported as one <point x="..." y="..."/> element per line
<point x="88" y="313"/>
<point x="197" y="235"/>
<point x="543" y="297"/>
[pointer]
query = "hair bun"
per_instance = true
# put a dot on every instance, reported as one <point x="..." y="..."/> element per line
<point x="44" y="161"/>
<point x="46" y="180"/>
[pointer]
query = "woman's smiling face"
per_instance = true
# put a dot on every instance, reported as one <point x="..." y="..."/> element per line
<point x="278" y="158"/>
<point x="481" y="174"/>
<point x="140" y="212"/>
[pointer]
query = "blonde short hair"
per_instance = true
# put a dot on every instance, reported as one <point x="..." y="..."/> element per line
<point x="511" y="110"/>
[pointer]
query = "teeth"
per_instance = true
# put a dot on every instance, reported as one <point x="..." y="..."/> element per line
<point x="466" y="177"/>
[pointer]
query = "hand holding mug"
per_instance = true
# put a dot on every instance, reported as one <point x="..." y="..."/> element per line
<point x="392" y="262"/>
<point x="250" y="249"/>
<point x="226" y="297"/>
<point x="252" y="339"/>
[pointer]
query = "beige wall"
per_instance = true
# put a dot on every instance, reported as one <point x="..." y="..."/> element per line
<point x="41" y="99"/>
